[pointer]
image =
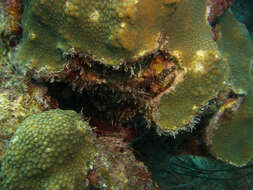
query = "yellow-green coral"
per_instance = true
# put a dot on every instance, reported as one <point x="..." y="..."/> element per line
<point x="111" y="31"/>
<point x="237" y="48"/>
<point x="50" y="150"/>
<point x="204" y="71"/>
<point x="231" y="140"/>
<point x="114" y="31"/>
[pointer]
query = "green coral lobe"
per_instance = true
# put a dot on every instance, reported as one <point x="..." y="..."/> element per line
<point x="191" y="41"/>
<point x="232" y="140"/>
<point x="110" y="31"/>
<point x="45" y="152"/>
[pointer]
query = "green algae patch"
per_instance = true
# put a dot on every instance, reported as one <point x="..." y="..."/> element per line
<point x="50" y="150"/>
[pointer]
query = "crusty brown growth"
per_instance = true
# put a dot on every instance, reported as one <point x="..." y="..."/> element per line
<point x="117" y="93"/>
<point x="168" y="75"/>
<point x="122" y="171"/>
<point x="10" y="27"/>
<point x="14" y="11"/>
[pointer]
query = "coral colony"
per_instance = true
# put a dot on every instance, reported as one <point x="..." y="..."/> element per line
<point x="83" y="82"/>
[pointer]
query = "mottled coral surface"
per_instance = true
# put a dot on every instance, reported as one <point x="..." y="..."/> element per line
<point x="45" y="152"/>
<point x="120" y="95"/>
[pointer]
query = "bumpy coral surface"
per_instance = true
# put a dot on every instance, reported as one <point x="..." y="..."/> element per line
<point x="237" y="47"/>
<point x="111" y="31"/>
<point x="117" y="61"/>
<point x="55" y="150"/>
<point x="45" y="153"/>
<point x="115" y="32"/>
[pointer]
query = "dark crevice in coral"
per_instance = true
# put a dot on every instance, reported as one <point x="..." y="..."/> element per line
<point x="89" y="102"/>
<point x="115" y="112"/>
<point x="186" y="142"/>
<point x="11" y="40"/>
<point x="157" y="152"/>
<point x="125" y="70"/>
<point x="114" y="102"/>
<point x="101" y="107"/>
<point x="108" y="94"/>
<point x="67" y="99"/>
<point x="137" y="77"/>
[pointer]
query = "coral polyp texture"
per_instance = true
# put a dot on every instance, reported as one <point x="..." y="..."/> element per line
<point x="184" y="69"/>
<point x="111" y="31"/>
<point x="236" y="45"/>
<point x="45" y="153"/>
<point x="203" y="68"/>
<point x="173" y="74"/>
<point x="56" y="150"/>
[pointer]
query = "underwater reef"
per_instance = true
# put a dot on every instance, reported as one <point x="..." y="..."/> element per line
<point x="242" y="10"/>
<point x="125" y="95"/>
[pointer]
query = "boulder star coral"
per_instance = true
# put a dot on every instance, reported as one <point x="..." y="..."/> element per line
<point x="45" y="153"/>
<point x="137" y="70"/>
<point x="169" y="42"/>
<point x="111" y="31"/>
<point x="56" y="150"/>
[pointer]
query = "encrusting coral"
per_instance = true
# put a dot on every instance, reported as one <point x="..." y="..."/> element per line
<point x="111" y="31"/>
<point x="131" y="36"/>
<point x="231" y="128"/>
<point x="115" y="62"/>
<point x="230" y="131"/>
